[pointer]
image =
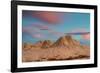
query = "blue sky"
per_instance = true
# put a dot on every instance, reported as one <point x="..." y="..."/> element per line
<point x="69" y="22"/>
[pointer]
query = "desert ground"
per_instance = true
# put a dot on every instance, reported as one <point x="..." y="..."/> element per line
<point x="65" y="48"/>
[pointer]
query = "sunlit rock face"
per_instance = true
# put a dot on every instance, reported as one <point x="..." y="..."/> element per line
<point x="65" y="48"/>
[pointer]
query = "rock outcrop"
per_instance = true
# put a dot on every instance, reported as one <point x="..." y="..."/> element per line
<point x="65" y="48"/>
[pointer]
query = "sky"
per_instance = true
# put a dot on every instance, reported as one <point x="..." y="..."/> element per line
<point x="44" y="25"/>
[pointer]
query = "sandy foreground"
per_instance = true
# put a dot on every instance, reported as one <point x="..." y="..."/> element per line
<point x="49" y="54"/>
<point x="65" y="48"/>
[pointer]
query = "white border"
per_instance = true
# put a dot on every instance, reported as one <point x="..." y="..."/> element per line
<point x="53" y="63"/>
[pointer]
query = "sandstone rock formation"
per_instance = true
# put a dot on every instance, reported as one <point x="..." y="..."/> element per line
<point x="66" y="41"/>
<point x="46" y="44"/>
<point x="65" y="48"/>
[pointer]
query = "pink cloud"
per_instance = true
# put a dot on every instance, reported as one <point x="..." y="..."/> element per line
<point x="32" y="32"/>
<point x="55" y="33"/>
<point x="30" y="29"/>
<point x="37" y="35"/>
<point x="44" y="27"/>
<point x="82" y="30"/>
<point x="50" y="17"/>
<point x="86" y="36"/>
<point x="58" y="33"/>
<point x="26" y="29"/>
<point x="78" y="30"/>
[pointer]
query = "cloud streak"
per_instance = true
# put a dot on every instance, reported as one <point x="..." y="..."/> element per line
<point x="86" y="36"/>
<point x="41" y="26"/>
<point x="78" y="33"/>
<point x="82" y="32"/>
<point x="49" y="17"/>
<point x="34" y="30"/>
<point x="35" y="33"/>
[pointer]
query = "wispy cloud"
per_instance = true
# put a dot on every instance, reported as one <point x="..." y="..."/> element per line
<point x="35" y="33"/>
<point x="78" y="30"/>
<point x="49" y="17"/>
<point x="82" y="32"/>
<point x="34" y="30"/>
<point x="56" y="33"/>
<point x="86" y="36"/>
<point x="38" y="35"/>
<point x="77" y="33"/>
<point x="41" y="26"/>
